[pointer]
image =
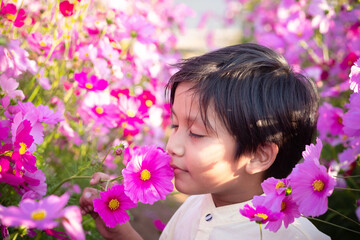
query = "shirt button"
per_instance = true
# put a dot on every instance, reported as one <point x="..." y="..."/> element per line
<point x="208" y="217"/>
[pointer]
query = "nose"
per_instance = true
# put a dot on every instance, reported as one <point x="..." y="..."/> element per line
<point x="175" y="145"/>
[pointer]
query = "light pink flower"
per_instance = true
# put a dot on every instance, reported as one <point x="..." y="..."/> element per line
<point x="71" y="221"/>
<point x="35" y="214"/>
<point x="9" y="85"/>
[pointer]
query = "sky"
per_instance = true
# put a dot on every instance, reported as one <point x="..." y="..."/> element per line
<point x="201" y="6"/>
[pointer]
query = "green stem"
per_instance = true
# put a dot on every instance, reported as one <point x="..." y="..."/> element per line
<point x="34" y="93"/>
<point x="339" y="213"/>
<point x="332" y="224"/>
<point x="350" y="189"/>
<point x="15" y="236"/>
<point x="102" y="162"/>
<point x="260" y="232"/>
<point x="347" y="176"/>
<point x="111" y="180"/>
<point x="68" y="179"/>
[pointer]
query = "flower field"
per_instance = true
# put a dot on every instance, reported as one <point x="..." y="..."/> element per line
<point x="82" y="91"/>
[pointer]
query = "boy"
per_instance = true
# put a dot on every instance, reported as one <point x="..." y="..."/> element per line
<point x="239" y="116"/>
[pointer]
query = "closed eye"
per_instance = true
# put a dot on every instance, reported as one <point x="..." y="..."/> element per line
<point x="196" y="135"/>
<point x="174" y="126"/>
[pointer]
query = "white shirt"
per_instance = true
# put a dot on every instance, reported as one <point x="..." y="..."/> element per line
<point x="198" y="218"/>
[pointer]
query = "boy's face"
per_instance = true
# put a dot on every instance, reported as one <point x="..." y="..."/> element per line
<point x="203" y="161"/>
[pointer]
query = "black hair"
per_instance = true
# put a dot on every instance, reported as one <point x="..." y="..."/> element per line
<point x="257" y="97"/>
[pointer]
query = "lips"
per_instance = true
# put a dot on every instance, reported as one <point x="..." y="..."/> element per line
<point x="177" y="169"/>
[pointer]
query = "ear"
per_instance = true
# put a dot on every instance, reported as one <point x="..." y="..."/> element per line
<point x="262" y="159"/>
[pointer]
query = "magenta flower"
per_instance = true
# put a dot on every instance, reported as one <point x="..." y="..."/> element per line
<point x="259" y="214"/>
<point x="91" y="84"/>
<point x="33" y="214"/>
<point x="112" y="204"/>
<point x="10" y="11"/>
<point x="66" y="8"/>
<point x="23" y="140"/>
<point x="355" y="76"/>
<point x="4" y="165"/>
<point x="311" y="187"/>
<point x="147" y="177"/>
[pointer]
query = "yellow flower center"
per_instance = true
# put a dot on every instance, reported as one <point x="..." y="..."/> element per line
<point x="89" y="86"/>
<point x="0" y="168"/>
<point x="99" y="110"/>
<point x="280" y="184"/>
<point x="124" y="125"/>
<point x="23" y="148"/>
<point x="283" y="206"/>
<point x="148" y="103"/>
<point x="42" y="43"/>
<point x="130" y="113"/>
<point x="8" y="153"/>
<point x="10" y="16"/>
<point x="262" y="215"/>
<point x="38" y="214"/>
<point x="114" y="204"/>
<point x="145" y="175"/>
<point x="318" y="185"/>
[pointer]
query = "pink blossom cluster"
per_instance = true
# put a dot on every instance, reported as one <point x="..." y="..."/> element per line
<point x="75" y="74"/>
<point x="304" y="192"/>
<point x="147" y="178"/>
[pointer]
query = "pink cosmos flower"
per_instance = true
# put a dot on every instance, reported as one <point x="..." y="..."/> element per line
<point x="351" y="117"/>
<point x="14" y="60"/>
<point x="355" y="76"/>
<point x="40" y="43"/>
<point x="91" y="84"/>
<point x="288" y="212"/>
<point x="71" y="221"/>
<point x="23" y="140"/>
<point x="259" y="214"/>
<point x="35" y="214"/>
<point x="9" y="85"/>
<point x="136" y="27"/>
<point x="112" y="204"/>
<point x="311" y="184"/>
<point x="312" y="152"/>
<point x="275" y="190"/>
<point x="12" y="15"/>
<point x="4" y="129"/>
<point x="330" y="121"/>
<point x="88" y="52"/>
<point x="43" y="113"/>
<point x="34" y="185"/>
<point x="66" y="8"/>
<point x="147" y="177"/>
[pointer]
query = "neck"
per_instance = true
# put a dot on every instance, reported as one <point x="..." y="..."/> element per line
<point x="233" y="197"/>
